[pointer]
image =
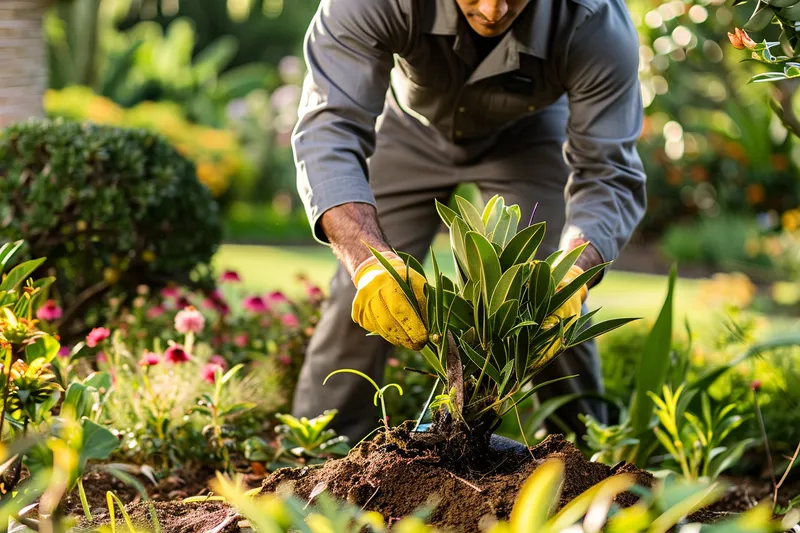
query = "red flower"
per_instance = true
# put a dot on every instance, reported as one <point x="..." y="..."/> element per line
<point x="314" y="292"/>
<point x="170" y="292"/>
<point x="218" y="360"/>
<point x="756" y="385"/>
<point x="182" y="302"/>
<point x="255" y="304"/>
<point x="277" y="297"/>
<point x="230" y="276"/>
<point x="176" y="354"/>
<point x="209" y="372"/>
<point x="149" y="359"/>
<point x="49" y="311"/>
<point x="64" y="351"/>
<point x="96" y="336"/>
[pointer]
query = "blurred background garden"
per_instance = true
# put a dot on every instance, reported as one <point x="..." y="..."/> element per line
<point x="220" y="80"/>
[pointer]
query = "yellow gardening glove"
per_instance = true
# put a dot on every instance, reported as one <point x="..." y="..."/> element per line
<point x="570" y="308"/>
<point x="381" y="307"/>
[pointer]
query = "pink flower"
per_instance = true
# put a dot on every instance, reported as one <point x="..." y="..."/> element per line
<point x="393" y="362"/>
<point x="189" y="319"/>
<point x="49" y="311"/>
<point x="230" y="276"/>
<point x="176" y="354"/>
<point x="290" y="320"/>
<point x="314" y="292"/>
<point x="64" y="351"/>
<point x="96" y="336"/>
<point x="284" y="359"/>
<point x="756" y="385"/>
<point x="101" y="357"/>
<point x="155" y="312"/>
<point x="241" y="340"/>
<point x="209" y="372"/>
<point x="170" y="292"/>
<point x="149" y="359"/>
<point x="218" y="360"/>
<point x="277" y="297"/>
<point x="255" y="304"/>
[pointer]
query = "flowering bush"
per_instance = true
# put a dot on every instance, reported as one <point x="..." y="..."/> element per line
<point x="216" y="153"/>
<point x="109" y="208"/>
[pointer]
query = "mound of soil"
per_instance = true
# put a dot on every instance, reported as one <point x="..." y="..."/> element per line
<point x="173" y="517"/>
<point x="397" y="474"/>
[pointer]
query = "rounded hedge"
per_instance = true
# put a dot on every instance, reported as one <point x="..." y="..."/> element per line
<point x="109" y="208"/>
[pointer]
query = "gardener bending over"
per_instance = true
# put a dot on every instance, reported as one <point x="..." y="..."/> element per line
<point x="535" y="100"/>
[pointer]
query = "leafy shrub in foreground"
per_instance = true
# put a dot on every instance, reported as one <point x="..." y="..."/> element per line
<point x="110" y="209"/>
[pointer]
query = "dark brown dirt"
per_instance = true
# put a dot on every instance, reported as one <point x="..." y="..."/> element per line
<point x="381" y="476"/>
<point x="173" y="517"/>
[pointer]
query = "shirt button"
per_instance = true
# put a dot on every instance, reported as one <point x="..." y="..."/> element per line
<point x="459" y="133"/>
<point x="462" y="109"/>
<point x="531" y="108"/>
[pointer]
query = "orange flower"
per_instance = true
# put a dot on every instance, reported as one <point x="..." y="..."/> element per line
<point x="740" y="40"/>
<point x="755" y="193"/>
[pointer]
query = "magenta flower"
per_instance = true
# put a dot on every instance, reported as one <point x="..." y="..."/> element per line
<point x="64" y="351"/>
<point x="149" y="359"/>
<point x="218" y="360"/>
<point x="284" y="359"/>
<point x="96" y="336"/>
<point x="170" y="292"/>
<point x="176" y="354"/>
<point x="189" y="320"/>
<point x="290" y="320"/>
<point x="255" y="304"/>
<point x="155" y="312"/>
<point x="230" y="276"/>
<point x="209" y="372"/>
<point x="101" y="357"/>
<point x="241" y="340"/>
<point x="182" y="302"/>
<point x="314" y="292"/>
<point x="49" y="311"/>
<point x="277" y="297"/>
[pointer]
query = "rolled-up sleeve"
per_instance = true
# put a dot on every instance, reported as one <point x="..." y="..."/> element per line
<point x="349" y="51"/>
<point x="605" y="194"/>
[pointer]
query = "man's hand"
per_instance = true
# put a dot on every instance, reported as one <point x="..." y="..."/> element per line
<point x="380" y="306"/>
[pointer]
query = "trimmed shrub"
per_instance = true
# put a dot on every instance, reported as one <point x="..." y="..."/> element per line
<point x="109" y="208"/>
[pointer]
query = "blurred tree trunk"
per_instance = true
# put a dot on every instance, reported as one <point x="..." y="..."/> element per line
<point x="23" y="59"/>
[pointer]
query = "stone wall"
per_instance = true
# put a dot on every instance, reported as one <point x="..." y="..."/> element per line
<point x="23" y="59"/>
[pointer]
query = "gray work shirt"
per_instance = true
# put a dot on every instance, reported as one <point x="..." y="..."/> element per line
<point x="586" y="49"/>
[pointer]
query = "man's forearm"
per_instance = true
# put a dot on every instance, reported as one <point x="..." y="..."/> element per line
<point x="589" y="258"/>
<point x="348" y="227"/>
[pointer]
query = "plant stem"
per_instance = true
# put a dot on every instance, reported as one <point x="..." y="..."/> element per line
<point x="785" y="474"/>
<point x="7" y="371"/>
<point x="427" y="404"/>
<point x="766" y="446"/>
<point x="84" y="502"/>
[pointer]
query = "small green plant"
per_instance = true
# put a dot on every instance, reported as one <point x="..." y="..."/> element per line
<point x="493" y="329"/>
<point x="214" y="407"/>
<point x="310" y="441"/>
<point x="696" y="442"/>
<point x="380" y="392"/>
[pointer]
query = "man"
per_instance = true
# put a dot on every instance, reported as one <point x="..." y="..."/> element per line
<point x="481" y="91"/>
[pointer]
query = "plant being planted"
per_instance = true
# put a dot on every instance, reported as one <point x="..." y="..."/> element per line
<point x="501" y="321"/>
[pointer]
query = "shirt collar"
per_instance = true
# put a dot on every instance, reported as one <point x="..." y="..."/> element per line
<point x="530" y="32"/>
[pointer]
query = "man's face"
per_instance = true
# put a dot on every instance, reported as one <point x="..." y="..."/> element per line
<point x="490" y="18"/>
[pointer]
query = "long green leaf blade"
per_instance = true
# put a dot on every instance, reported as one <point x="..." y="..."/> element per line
<point x="508" y="287"/>
<point x="522" y="247"/>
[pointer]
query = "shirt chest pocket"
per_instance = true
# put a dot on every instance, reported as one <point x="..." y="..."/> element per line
<point x="515" y="94"/>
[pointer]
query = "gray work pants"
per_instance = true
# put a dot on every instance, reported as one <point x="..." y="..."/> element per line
<point x="412" y="166"/>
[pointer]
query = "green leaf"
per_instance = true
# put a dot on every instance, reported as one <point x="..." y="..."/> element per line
<point x="548" y="408"/>
<point x="534" y="389"/>
<point x="237" y="408"/>
<point x="481" y="362"/>
<point x="461" y="311"/>
<point x="7" y="252"/>
<point x="499" y="233"/>
<point x="567" y="292"/>
<point x="537" y="497"/>
<point x="781" y="3"/>
<point x="598" y="329"/>
<point x="445" y="213"/>
<point x="404" y="286"/>
<point x="230" y="373"/>
<point x="45" y="347"/>
<point x="492" y="211"/>
<point x="98" y="443"/>
<point x="79" y="399"/>
<point x="728" y="457"/>
<point x="483" y="263"/>
<point x="470" y="215"/>
<point x="760" y="19"/>
<point x="508" y="287"/>
<point x="522" y="247"/>
<point x="653" y="366"/>
<point x="541" y="290"/>
<point x="505" y="318"/>
<point x="433" y="360"/>
<point x="458" y="234"/>
<point x="99" y="380"/>
<point x="791" y="12"/>
<point x="562" y="267"/>
<point x="767" y="77"/>
<point x="412" y="263"/>
<point x="20" y="273"/>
